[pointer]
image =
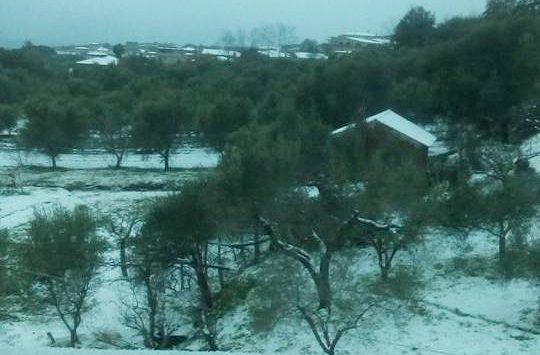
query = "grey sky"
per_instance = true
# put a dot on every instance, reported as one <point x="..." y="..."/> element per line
<point x="55" y="22"/>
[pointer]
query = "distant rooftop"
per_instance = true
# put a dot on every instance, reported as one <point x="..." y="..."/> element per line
<point x="370" y="40"/>
<point x="361" y="34"/>
<point x="108" y="60"/>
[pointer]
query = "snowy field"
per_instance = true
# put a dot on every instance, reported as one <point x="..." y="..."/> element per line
<point x="186" y="157"/>
<point x="455" y="313"/>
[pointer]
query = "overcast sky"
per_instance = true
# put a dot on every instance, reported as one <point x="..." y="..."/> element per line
<point x="56" y="22"/>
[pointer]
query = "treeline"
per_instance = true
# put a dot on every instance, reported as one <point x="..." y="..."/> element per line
<point x="478" y="72"/>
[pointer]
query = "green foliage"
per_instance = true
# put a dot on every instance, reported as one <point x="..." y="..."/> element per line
<point x="61" y="255"/>
<point x="258" y="163"/>
<point x="54" y="127"/>
<point x="8" y="117"/>
<point x="158" y="124"/>
<point x="177" y="225"/>
<point x="234" y="294"/>
<point x="225" y="116"/>
<point x="62" y="244"/>
<point x="398" y="189"/>
<point x="415" y="28"/>
<point x="309" y="45"/>
<point x="119" y="50"/>
<point x="4" y="283"/>
<point x="270" y="301"/>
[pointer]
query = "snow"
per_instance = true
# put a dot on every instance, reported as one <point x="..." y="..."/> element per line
<point x="438" y="148"/>
<point x="186" y="158"/>
<point x="370" y="41"/>
<point x="532" y="147"/>
<point x="221" y="53"/>
<point x="16" y="210"/>
<point x="107" y="60"/>
<point x="308" y="55"/>
<point x="97" y="54"/>
<point x="343" y="129"/>
<point x="273" y="53"/>
<point x="393" y="120"/>
<point x="360" y="34"/>
<point x="5" y="350"/>
<point x="455" y="313"/>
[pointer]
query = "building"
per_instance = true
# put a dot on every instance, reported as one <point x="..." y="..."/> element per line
<point x="393" y="138"/>
<point x="358" y="41"/>
<point x="103" y="60"/>
<point x="308" y="55"/>
<point x="221" y="54"/>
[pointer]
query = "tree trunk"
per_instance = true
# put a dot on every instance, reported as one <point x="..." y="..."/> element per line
<point x="123" y="258"/>
<point x="502" y="246"/>
<point x="119" y="158"/>
<point x="220" y="271"/>
<point x="257" y="248"/>
<point x="165" y="157"/>
<point x="206" y="302"/>
<point x="73" y="338"/>
<point x="323" y="283"/>
<point x="53" y="161"/>
<point x="211" y="340"/>
<point x="202" y="281"/>
<point x="385" y="270"/>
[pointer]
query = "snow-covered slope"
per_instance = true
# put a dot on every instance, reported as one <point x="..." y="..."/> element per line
<point x="452" y="313"/>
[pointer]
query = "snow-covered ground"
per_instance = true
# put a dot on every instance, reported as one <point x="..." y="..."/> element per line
<point x="185" y="157"/>
<point x="51" y="351"/>
<point x="454" y="314"/>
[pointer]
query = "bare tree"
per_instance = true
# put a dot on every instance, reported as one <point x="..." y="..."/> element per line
<point x="151" y="308"/>
<point x="385" y="239"/>
<point x="275" y="35"/>
<point x="124" y="226"/>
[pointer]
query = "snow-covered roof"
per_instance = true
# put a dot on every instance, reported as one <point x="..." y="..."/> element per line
<point x="343" y="129"/>
<point x="370" y="40"/>
<point x="360" y="34"/>
<point x="97" y="54"/>
<point x="273" y="53"/>
<point x="391" y="119"/>
<point x="308" y="55"/>
<point x="107" y="60"/>
<point x="220" y="52"/>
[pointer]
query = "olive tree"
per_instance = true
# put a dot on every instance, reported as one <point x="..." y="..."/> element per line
<point x="157" y="127"/>
<point x="54" y="126"/>
<point x="503" y="203"/>
<point x="4" y="281"/>
<point x="8" y="117"/>
<point x="312" y="231"/>
<point x="114" y="123"/>
<point x="62" y="253"/>
<point x="178" y="231"/>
